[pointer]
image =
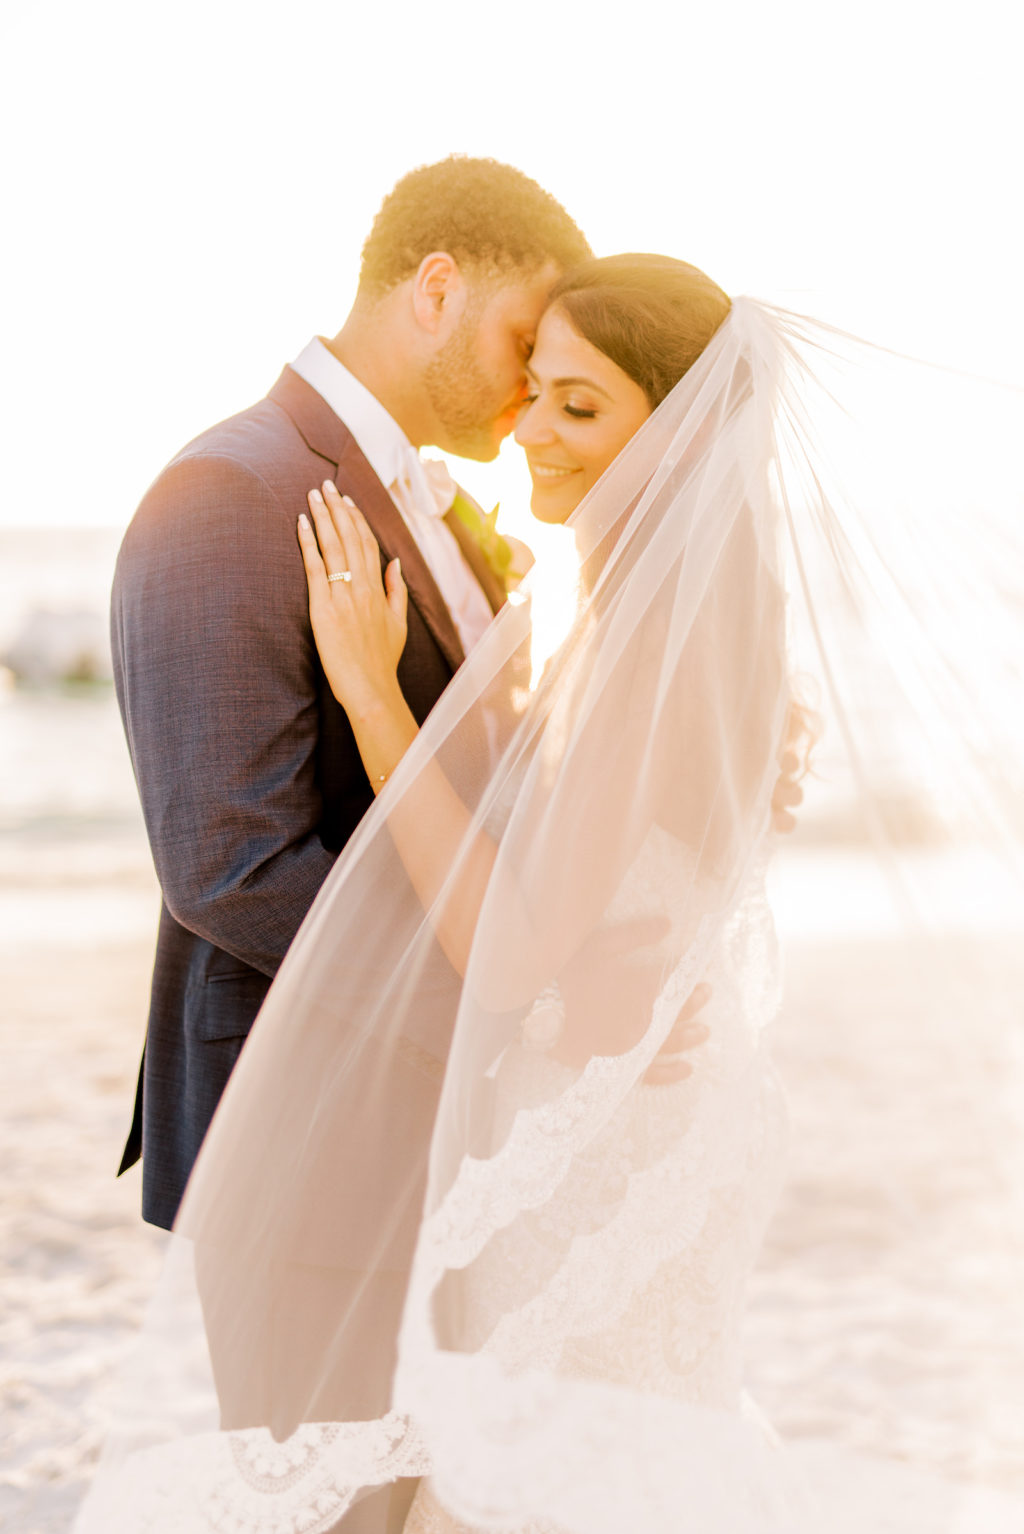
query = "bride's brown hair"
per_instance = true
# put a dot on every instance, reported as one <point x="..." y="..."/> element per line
<point x="652" y="315"/>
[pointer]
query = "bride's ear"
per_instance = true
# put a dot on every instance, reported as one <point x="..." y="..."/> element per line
<point x="438" y="294"/>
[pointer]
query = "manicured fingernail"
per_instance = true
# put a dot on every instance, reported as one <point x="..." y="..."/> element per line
<point x="331" y="486"/>
<point x="347" y="500"/>
<point x="304" y="522"/>
<point x="314" y="495"/>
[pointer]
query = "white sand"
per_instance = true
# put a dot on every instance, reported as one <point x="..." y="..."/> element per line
<point x="887" y="1315"/>
<point x="76" y="1262"/>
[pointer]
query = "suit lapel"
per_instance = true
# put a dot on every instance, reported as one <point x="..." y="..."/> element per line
<point x="331" y="439"/>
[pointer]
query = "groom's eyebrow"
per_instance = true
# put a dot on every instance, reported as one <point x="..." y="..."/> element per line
<point x="569" y="383"/>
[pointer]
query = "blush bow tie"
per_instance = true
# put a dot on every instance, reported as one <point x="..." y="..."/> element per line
<point x="428" y="483"/>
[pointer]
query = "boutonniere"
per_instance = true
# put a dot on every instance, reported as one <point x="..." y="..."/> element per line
<point x="509" y="559"/>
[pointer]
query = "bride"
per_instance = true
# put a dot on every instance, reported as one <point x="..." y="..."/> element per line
<point x="617" y="337"/>
<point x="475" y="1219"/>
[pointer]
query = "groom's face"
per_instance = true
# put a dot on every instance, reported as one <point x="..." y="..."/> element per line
<point x="476" y="382"/>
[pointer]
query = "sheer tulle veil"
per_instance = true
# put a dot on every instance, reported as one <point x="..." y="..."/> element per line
<point x="434" y="1204"/>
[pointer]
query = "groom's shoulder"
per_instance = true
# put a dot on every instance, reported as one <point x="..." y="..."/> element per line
<point x="256" y="441"/>
<point x="245" y="464"/>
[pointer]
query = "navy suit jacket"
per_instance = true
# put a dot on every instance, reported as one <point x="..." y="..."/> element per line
<point x="247" y="769"/>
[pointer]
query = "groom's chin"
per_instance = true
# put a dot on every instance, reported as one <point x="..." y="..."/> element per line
<point x="488" y="440"/>
<point x="484" y="452"/>
<point x="481" y="446"/>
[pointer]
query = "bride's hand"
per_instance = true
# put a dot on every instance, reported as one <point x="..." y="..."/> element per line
<point x="359" y="621"/>
<point x="608" y="990"/>
<point x="674" y="1060"/>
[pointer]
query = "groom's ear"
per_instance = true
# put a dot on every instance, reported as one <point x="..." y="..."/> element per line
<point x="438" y="294"/>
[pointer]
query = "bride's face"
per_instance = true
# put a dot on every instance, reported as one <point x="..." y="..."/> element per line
<point x="579" y="413"/>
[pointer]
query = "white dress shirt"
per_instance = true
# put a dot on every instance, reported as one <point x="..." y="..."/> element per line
<point x="423" y="490"/>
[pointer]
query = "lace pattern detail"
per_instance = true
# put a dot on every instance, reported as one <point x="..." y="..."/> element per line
<point x="647" y="1245"/>
<point x="536" y="1156"/>
<point x="628" y="1264"/>
<point x="543" y="1139"/>
<point x="245" y="1483"/>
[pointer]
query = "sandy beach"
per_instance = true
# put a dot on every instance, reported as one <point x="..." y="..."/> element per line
<point x="886" y="1311"/>
<point x="77" y="905"/>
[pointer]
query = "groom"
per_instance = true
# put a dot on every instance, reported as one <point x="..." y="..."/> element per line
<point x="249" y="777"/>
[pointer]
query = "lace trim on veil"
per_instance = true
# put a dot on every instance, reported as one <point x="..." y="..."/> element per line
<point x="245" y="1483"/>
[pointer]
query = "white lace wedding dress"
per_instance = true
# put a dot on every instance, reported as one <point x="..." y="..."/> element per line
<point x="673" y="1194"/>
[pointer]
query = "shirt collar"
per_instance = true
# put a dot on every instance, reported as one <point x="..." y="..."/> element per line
<point x="381" y="440"/>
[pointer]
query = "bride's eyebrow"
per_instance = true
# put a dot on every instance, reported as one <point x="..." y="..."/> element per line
<point x="569" y="383"/>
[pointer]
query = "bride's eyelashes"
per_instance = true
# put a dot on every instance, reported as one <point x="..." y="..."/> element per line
<point x="577" y="412"/>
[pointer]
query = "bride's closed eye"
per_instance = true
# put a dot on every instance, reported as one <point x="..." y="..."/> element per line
<point x="576" y="411"/>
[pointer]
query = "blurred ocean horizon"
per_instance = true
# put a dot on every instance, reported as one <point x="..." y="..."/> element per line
<point x="67" y="789"/>
<point x="62" y="569"/>
<point x="75" y="866"/>
<point x="63" y="759"/>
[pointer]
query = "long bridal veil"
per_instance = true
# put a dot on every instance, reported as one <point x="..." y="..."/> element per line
<point x="463" y="1214"/>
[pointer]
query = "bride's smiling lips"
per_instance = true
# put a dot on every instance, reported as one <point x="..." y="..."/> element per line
<point x="551" y="473"/>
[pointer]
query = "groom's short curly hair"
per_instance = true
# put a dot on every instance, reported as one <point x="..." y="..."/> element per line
<point x="479" y="211"/>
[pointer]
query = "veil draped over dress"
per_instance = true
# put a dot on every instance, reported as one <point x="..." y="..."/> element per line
<point x="460" y="1220"/>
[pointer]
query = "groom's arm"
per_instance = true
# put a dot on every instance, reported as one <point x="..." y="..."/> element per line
<point x="217" y="680"/>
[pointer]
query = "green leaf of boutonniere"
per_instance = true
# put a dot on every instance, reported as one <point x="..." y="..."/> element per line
<point x="483" y="527"/>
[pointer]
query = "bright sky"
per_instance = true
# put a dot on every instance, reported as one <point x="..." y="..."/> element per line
<point x="188" y="186"/>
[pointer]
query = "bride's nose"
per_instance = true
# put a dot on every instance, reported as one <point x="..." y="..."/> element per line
<point x="534" y="426"/>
